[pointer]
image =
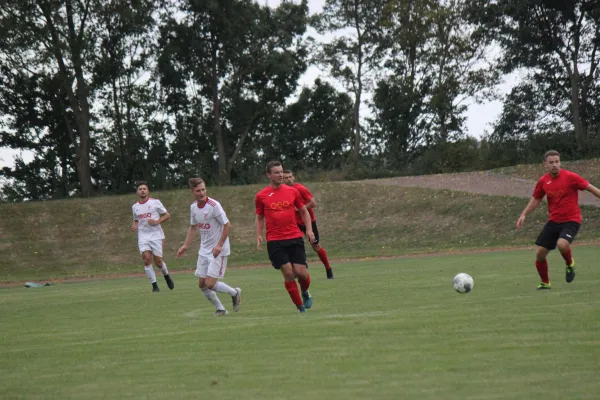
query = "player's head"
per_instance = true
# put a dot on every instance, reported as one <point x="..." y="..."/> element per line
<point x="274" y="172"/>
<point x="288" y="177"/>
<point x="552" y="161"/>
<point x="198" y="189"/>
<point x="142" y="189"/>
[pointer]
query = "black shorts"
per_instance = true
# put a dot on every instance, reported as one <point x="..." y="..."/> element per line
<point x="315" y="230"/>
<point x="553" y="231"/>
<point x="282" y="252"/>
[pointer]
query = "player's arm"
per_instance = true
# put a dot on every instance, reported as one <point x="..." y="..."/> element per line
<point x="221" y="242"/>
<point x="593" y="190"/>
<point x="134" y="225"/>
<point x="534" y="202"/>
<point x="191" y="233"/>
<point x="307" y="223"/>
<point x="312" y="203"/>
<point x="164" y="217"/>
<point x="259" y="223"/>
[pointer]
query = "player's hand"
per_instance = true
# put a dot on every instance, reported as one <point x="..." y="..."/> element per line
<point x="133" y="227"/>
<point x="259" y="243"/>
<point x="311" y="237"/>
<point x="153" y="222"/>
<point x="181" y="251"/>
<point x="216" y="251"/>
<point x="520" y="222"/>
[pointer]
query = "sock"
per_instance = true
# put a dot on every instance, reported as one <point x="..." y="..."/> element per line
<point x="150" y="273"/>
<point x="567" y="256"/>
<point x="542" y="268"/>
<point x="304" y="284"/>
<point x="292" y="290"/>
<point x="211" y="295"/>
<point x="222" y="287"/>
<point x="323" y="257"/>
<point x="164" y="269"/>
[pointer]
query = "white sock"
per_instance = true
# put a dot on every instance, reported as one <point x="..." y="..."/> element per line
<point x="164" y="269"/>
<point x="150" y="273"/>
<point x="211" y="295"/>
<point x="222" y="287"/>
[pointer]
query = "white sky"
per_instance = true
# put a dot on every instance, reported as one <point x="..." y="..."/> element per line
<point x="479" y="116"/>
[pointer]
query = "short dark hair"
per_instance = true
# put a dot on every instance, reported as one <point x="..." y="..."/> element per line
<point x="272" y="164"/>
<point x="288" y="171"/>
<point x="193" y="182"/>
<point x="140" y="183"/>
<point x="551" y="153"/>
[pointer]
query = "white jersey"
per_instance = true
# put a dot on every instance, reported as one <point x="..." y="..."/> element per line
<point x="210" y="219"/>
<point x="143" y="212"/>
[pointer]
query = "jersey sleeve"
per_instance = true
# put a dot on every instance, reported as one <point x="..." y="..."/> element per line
<point x="260" y="209"/>
<point x="220" y="214"/>
<point x="160" y="208"/>
<point x="579" y="182"/>
<point x="304" y="193"/>
<point x="298" y="202"/>
<point x="192" y="218"/>
<point x="539" y="192"/>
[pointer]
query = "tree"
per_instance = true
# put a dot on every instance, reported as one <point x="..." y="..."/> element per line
<point x="352" y="56"/>
<point x="558" y="40"/>
<point x="244" y="61"/>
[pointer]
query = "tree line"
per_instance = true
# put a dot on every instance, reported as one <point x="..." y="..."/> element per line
<point x="106" y="92"/>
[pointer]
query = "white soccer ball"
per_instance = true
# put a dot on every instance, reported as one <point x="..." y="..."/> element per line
<point x="463" y="283"/>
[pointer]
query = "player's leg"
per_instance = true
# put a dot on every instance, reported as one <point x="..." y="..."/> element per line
<point x="297" y="256"/>
<point x="280" y="260"/>
<point x="546" y="242"/>
<point x="567" y="235"/>
<point x="316" y="245"/>
<point x="211" y="295"/>
<point x="157" y="251"/>
<point x="216" y="271"/>
<point x="146" y="253"/>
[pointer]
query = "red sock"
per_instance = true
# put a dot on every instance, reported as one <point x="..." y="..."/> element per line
<point x="323" y="256"/>
<point x="304" y="284"/>
<point x="567" y="256"/>
<point x="542" y="268"/>
<point x="292" y="289"/>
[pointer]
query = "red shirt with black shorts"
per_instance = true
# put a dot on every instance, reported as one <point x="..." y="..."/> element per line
<point x="284" y="238"/>
<point x="562" y="193"/>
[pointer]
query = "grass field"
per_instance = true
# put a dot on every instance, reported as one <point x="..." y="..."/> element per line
<point x="387" y="329"/>
<point x="589" y="169"/>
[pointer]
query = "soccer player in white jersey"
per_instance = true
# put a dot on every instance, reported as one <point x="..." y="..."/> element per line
<point x="148" y="214"/>
<point x="207" y="215"/>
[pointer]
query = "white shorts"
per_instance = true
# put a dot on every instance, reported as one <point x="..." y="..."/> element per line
<point x="210" y="266"/>
<point x="155" y="246"/>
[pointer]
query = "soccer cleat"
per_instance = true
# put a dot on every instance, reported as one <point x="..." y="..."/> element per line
<point x="220" y="313"/>
<point x="329" y="273"/>
<point x="544" y="286"/>
<point x="155" y="287"/>
<point x="237" y="299"/>
<point x="301" y="308"/>
<point x="307" y="299"/>
<point x="570" y="271"/>
<point x="170" y="282"/>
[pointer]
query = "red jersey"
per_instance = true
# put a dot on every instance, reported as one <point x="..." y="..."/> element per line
<point x="278" y="206"/>
<point x="562" y="192"/>
<point x="306" y="196"/>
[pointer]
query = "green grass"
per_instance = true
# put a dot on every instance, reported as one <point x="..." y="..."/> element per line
<point x="387" y="329"/>
<point x="589" y="169"/>
<point x="56" y="239"/>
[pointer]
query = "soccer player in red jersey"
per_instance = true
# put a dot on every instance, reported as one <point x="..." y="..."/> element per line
<point x="561" y="187"/>
<point x="277" y="204"/>
<point x="311" y="204"/>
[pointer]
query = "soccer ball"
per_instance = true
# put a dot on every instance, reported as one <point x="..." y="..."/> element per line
<point x="463" y="283"/>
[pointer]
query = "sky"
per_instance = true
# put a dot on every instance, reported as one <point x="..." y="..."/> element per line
<point x="479" y="116"/>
